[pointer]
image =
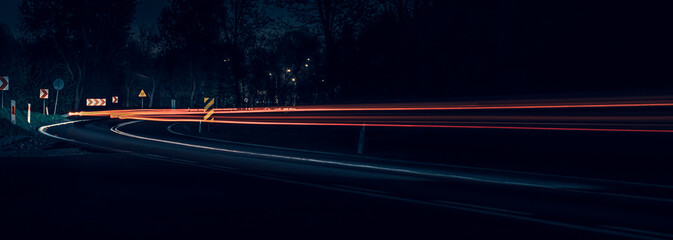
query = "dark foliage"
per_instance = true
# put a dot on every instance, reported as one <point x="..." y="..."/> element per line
<point x="340" y="51"/>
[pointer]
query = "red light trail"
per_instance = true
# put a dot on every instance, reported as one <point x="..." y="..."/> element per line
<point x="427" y="115"/>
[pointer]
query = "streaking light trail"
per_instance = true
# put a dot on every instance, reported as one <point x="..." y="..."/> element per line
<point x="458" y="115"/>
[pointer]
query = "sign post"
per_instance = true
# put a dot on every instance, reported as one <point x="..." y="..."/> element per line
<point x="172" y="103"/>
<point x="44" y="95"/>
<point x="142" y="96"/>
<point x="4" y="86"/>
<point x="58" y="85"/>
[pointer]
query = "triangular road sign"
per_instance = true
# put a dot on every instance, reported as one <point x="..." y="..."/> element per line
<point x="142" y="93"/>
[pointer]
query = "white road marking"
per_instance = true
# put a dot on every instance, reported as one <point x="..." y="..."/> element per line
<point x="43" y="130"/>
<point x="170" y="129"/>
<point x="658" y="234"/>
<point x="632" y="196"/>
<point x="363" y="189"/>
<point x="484" y="207"/>
<point x="156" y="156"/>
<point x="184" y="160"/>
<point x="634" y="233"/>
<point x="455" y="207"/>
<point x="354" y="165"/>
<point x="223" y="167"/>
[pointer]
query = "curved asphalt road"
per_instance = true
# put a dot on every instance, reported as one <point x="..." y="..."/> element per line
<point x="610" y="209"/>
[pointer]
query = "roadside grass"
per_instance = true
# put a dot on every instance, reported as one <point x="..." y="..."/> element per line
<point x="22" y="127"/>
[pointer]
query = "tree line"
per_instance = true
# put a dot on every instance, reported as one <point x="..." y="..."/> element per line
<point x="330" y="50"/>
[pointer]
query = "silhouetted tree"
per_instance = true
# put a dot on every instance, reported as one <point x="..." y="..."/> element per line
<point x="191" y="33"/>
<point x="85" y="34"/>
<point x="210" y="37"/>
<point x="298" y="51"/>
<point x="244" y="21"/>
<point x="331" y="18"/>
<point x="12" y="65"/>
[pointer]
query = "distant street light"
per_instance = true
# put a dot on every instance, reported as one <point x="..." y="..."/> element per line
<point x="308" y="59"/>
<point x="294" y="92"/>
<point x="306" y="65"/>
<point x="288" y="70"/>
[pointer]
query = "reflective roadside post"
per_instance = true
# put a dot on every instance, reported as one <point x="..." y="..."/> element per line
<point x="361" y="142"/>
<point x="28" y="114"/>
<point x="208" y="110"/>
<point x="12" y="111"/>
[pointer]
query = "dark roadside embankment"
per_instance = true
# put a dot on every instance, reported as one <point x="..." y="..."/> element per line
<point x="23" y="140"/>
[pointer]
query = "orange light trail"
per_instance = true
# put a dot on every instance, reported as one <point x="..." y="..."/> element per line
<point x="421" y="115"/>
<point x="425" y="126"/>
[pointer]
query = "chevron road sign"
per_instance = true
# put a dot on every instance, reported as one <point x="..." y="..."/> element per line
<point x="95" y="102"/>
<point x="44" y="93"/>
<point x="115" y="99"/>
<point x="4" y="85"/>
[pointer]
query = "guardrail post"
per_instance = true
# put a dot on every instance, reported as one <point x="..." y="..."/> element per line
<point x="362" y="139"/>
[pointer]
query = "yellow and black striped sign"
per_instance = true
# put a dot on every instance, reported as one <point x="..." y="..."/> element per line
<point x="209" y="108"/>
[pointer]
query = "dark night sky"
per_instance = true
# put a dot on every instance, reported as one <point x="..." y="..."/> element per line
<point x="147" y="12"/>
<point x="9" y="13"/>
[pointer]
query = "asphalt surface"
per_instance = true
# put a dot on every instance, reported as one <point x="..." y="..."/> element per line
<point x="245" y="189"/>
